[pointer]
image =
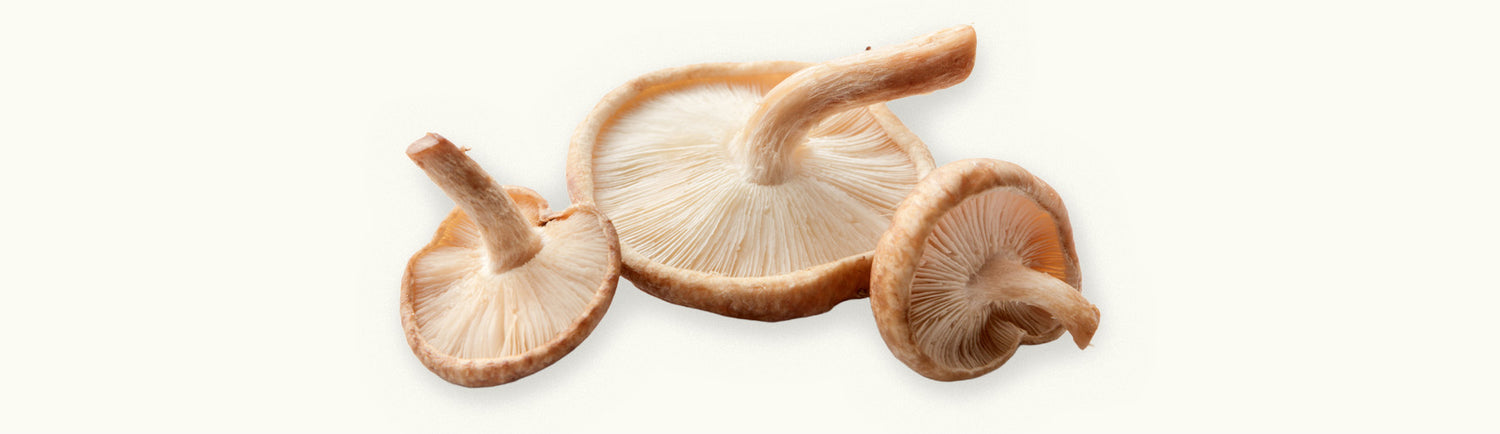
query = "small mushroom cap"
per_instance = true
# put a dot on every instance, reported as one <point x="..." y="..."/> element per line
<point x="477" y="326"/>
<point x="978" y="260"/>
<point x="658" y="157"/>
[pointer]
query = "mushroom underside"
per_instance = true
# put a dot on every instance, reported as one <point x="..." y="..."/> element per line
<point x="964" y="308"/>
<point x="467" y="310"/>
<point x="662" y="169"/>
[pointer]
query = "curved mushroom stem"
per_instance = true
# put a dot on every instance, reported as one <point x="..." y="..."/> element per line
<point x="765" y="146"/>
<point x="1009" y="280"/>
<point x="507" y="235"/>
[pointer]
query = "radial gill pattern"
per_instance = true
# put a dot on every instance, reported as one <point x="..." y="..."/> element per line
<point x="690" y="206"/>
<point x="955" y="321"/>
<point x="467" y="311"/>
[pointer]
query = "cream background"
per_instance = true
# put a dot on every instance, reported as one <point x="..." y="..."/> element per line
<point x="1284" y="209"/>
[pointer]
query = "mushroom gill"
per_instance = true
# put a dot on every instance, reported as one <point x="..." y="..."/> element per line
<point x="978" y="261"/>
<point x="505" y="288"/>
<point x="756" y="190"/>
<point x="991" y="275"/>
<point x="660" y="185"/>
<point x="467" y="310"/>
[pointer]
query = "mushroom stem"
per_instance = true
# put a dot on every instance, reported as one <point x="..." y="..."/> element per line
<point x="1007" y="280"/>
<point x="764" y="148"/>
<point x="507" y="234"/>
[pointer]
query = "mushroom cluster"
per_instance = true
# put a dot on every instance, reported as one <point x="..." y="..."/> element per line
<point x="761" y="190"/>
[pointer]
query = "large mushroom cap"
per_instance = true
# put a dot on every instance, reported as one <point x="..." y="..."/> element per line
<point x="978" y="260"/>
<point x="756" y="190"/>
<point x="505" y="288"/>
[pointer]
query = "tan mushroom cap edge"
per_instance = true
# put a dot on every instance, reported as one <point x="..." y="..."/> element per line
<point x="805" y="292"/>
<point x="533" y="210"/>
<point x="902" y="248"/>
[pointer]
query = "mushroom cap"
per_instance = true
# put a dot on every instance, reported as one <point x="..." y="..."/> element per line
<point x="967" y="226"/>
<point x="651" y="155"/>
<point x="475" y="327"/>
